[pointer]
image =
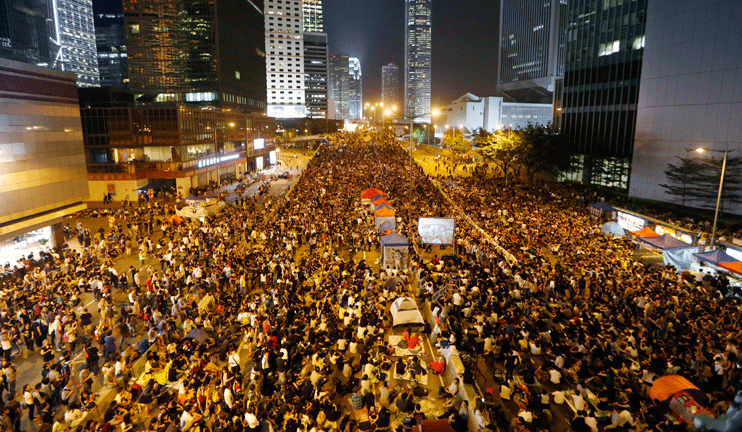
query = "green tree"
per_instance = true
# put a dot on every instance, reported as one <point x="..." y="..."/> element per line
<point x="544" y="151"/>
<point x="683" y="179"/>
<point x="455" y="142"/>
<point x="502" y="147"/>
<point x="708" y="183"/>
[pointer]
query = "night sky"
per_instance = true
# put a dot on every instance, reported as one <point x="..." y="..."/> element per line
<point x="464" y="42"/>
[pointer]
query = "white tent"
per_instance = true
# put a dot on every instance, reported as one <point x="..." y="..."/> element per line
<point x="405" y="313"/>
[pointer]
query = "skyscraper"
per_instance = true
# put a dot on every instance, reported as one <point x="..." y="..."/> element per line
<point x="23" y="32"/>
<point x="197" y="51"/>
<point x="418" y="58"/>
<point x="284" y="43"/>
<point x="390" y="85"/>
<point x="531" y="48"/>
<point x="315" y="59"/>
<point x="316" y="74"/>
<point x="355" y="89"/>
<point x="605" y="45"/>
<point x="313" y="16"/>
<point x="339" y="85"/>
<point x="72" y="33"/>
<point x="110" y="40"/>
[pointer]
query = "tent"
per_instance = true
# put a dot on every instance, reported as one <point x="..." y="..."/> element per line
<point x="714" y="257"/>
<point x="371" y="192"/>
<point x="394" y="251"/>
<point x="613" y="228"/>
<point x="392" y="282"/>
<point x="602" y="206"/>
<point x="735" y="267"/>
<point x="199" y="335"/>
<point x="379" y="200"/>
<point x="384" y="212"/>
<point x="405" y="313"/>
<point x="387" y="227"/>
<point x="665" y="241"/>
<point x="645" y="232"/>
<point x="383" y="206"/>
<point x="380" y="220"/>
<point x="665" y="387"/>
<point x="683" y="398"/>
<point x="681" y="258"/>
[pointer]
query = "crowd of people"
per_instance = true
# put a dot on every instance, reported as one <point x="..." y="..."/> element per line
<point x="265" y="316"/>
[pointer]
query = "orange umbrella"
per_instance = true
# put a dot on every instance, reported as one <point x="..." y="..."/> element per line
<point x="665" y="387"/>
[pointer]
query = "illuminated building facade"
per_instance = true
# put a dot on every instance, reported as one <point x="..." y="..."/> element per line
<point x="316" y="74"/>
<point x="418" y="58"/>
<point x="390" y="87"/>
<point x="110" y="40"/>
<point x="355" y="89"/>
<point x="313" y="16"/>
<point x="340" y="85"/>
<point x="208" y="52"/>
<point x="284" y="60"/>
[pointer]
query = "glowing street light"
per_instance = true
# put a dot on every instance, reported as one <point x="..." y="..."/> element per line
<point x="702" y="150"/>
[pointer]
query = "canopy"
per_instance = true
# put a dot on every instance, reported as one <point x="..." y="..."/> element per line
<point x="714" y="257"/>
<point x="665" y="387"/>
<point x="665" y="241"/>
<point x="371" y="192"/>
<point x="383" y="205"/>
<point x="393" y="240"/>
<point x="376" y="197"/>
<point x="386" y="227"/>
<point x="602" y="206"/>
<point x="735" y="267"/>
<point x="379" y="201"/>
<point x="613" y="228"/>
<point x="378" y="220"/>
<point x="405" y="313"/>
<point x="384" y="212"/>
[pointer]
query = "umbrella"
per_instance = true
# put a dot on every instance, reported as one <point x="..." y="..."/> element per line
<point x="199" y="335"/>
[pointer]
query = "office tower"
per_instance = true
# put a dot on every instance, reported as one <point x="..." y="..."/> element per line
<point x="313" y="16"/>
<point x="355" y="89"/>
<point x="284" y="58"/>
<point x="41" y="152"/>
<point x="390" y="87"/>
<point x="72" y="32"/>
<point x="23" y="32"/>
<point x="340" y="85"/>
<point x="417" y="68"/>
<point x="531" y="48"/>
<point x="198" y="51"/>
<point x="605" y="43"/>
<point x="690" y="94"/>
<point x="110" y="40"/>
<point x="315" y="74"/>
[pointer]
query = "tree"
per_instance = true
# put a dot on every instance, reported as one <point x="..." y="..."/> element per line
<point x="502" y="147"/>
<point x="455" y="142"/>
<point x="544" y="151"/>
<point x="683" y="179"/>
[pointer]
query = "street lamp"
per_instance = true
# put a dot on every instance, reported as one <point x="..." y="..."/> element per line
<point x="721" y="185"/>
<point x="412" y="128"/>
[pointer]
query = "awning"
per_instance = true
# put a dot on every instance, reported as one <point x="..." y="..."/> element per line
<point x="715" y="257"/>
<point x="735" y="267"/>
<point x="645" y="232"/>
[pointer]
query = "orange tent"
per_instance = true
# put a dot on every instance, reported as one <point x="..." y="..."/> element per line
<point x="371" y="192"/>
<point x="380" y="200"/>
<point x="384" y="212"/>
<point x="645" y="232"/>
<point x="665" y="387"/>
<point x="735" y="267"/>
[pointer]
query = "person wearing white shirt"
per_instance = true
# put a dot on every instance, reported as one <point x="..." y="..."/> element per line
<point x="578" y="401"/>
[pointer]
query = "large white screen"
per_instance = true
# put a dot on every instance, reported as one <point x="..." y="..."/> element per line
<point x="437" y="231"/>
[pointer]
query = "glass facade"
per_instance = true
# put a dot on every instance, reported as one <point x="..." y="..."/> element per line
<point x="340" y="85"/>
<point x="316" y="74"/>
<point x="72" y="31"/>
<point x="532" y="44"/>
<point x="605" y="41"/>
<point x="284" y="59"/>
<point x="110" y="39"/>
<point x="23" y="32"/>
<point x="196" y="51"/>
<point x="313" y="16"/>
<point x="418" y="58"/>
<point x="390" y="87"/>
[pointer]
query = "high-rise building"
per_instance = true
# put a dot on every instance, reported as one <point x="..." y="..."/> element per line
<point x="316" y="74"/>
<point x="197" y="51"/>
<point x="605" y="44"/>
<point x="313" y="16"/>
<point x="110" y="39"/>
<point x="41" y="152"/>
<point x="418" y="58"/>
<point x="390" y="88"/>
<point x="690" y="94"/>
<point x="340" y="85"/>
<point x="284" y="43"/>
<point x="355" y="89"/>
<point x="23" y="32"/>
<point x="72" y="33"/>
<point x="531" y="48"/>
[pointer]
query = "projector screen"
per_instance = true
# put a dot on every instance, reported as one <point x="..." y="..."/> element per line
<point x="436" y="231"/>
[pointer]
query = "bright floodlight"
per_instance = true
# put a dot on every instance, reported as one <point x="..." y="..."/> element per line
<point x="435" y="112"/>
<point x="700" y="150"/>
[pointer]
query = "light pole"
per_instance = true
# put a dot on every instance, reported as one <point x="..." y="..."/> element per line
<point x="412" y="127"/>
<point x="721" y="186"/>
